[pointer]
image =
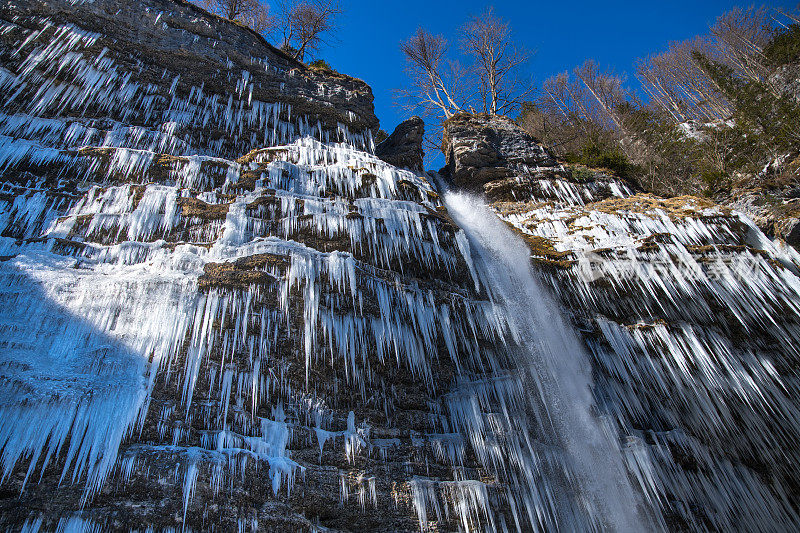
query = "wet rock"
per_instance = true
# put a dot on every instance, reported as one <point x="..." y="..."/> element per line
<point x="403" y="148"/>
<point x="771" y="201"/>
<point x="194" y="208"/>
<point x="768" y="213"/>
<point x="245" y="272"/>
<point x="789" y="230"/>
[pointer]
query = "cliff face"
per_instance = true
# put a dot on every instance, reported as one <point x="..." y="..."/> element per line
<point x="164" y="76"/>
<point x="485" y="148"/>
<point x="220" y="312"/>
<point x="403" y="148"/>
<point x="192" y="340"/>
<point x="692" y="316"/>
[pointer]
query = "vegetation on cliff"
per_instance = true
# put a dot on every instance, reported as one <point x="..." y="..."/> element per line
<point x="491" y="79"/>
<point x="299" y="27"/>
<point x="721" y="110"/>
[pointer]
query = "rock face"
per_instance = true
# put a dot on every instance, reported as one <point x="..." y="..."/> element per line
<point x="692" y="317"/>
<point x="166" y="76"/>
<point x="192" y="341"/>
<point x="774" y="213"/>
<point x="220" y="312"/>
<point x="403" y="148"/>
<point x="483" y="148"/>
<point x="772" y="200"/>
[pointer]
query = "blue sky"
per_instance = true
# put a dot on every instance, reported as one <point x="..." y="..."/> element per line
<point x="563" y="34"/>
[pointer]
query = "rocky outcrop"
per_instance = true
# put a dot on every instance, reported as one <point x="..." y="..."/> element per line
<point x="693" y="319"/>
<point x="771" y="199"/>
<point x="774" y="214"/>
<point x="483" y="148"/>
<point x="403" y="148"/>
<point x="163" y="75"/>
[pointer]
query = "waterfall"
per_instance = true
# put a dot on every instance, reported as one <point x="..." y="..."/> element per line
<point x="222" y="311"/>
<point x="555" y="367"/>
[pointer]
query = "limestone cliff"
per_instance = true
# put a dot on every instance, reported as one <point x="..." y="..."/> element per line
<point x="164" y="76"/>
<point x="482" y="148"/>
<point x="403" y="148"/>
<point x="222" y="312"/>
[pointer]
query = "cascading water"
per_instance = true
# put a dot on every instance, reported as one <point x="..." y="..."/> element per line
<point x="555" y="365"/>
<point x="690" y="316"/>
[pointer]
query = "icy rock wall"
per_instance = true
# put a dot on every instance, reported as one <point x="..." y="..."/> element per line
<point x="226" y="323"/>
<point x="159" y="75"/>
<point x="691" y="315"/>
<point x="290" y="340"/>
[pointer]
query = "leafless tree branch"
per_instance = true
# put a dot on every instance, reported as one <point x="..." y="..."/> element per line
<point x="252" y="13"/>
<point x="497" y="62"/>
<point x="305" y="25"/>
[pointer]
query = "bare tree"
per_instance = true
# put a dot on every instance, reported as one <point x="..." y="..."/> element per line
<point x="675" y="81"/>
<point x="437" y="83"/>
<point x="304" y="25"/>
<point x="261" y="20"/>
<point x="488" y="40"/>
<point x="652" y="74"/>
<point x="557" y="117"/>
<point x="680" y="87"/>
<point x="720" y="81"/>
<point x="491" y="83"/>
<point x="608" y="97"/>
<point x="252" y="13"/>
<point x="792" y="16"/>
<point x="588" y="97"/>
<point x="740" y="36"/>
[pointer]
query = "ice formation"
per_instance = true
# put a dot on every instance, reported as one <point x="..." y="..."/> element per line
<point x="306" y="331"/>
<point x="130" y="295"/>
<point x="692" y="317"/>
<point x="193" y="313"/>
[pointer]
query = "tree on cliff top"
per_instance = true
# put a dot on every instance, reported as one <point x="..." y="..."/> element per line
<point x="300" y="27"/>
<point x="490" y="82"/>
<point x="438" y="85"/>
<point x="252" y="13"/>
<point x="305" y="25"/>
<point x="716" y="110"/>
<point x="497" y="59"/>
